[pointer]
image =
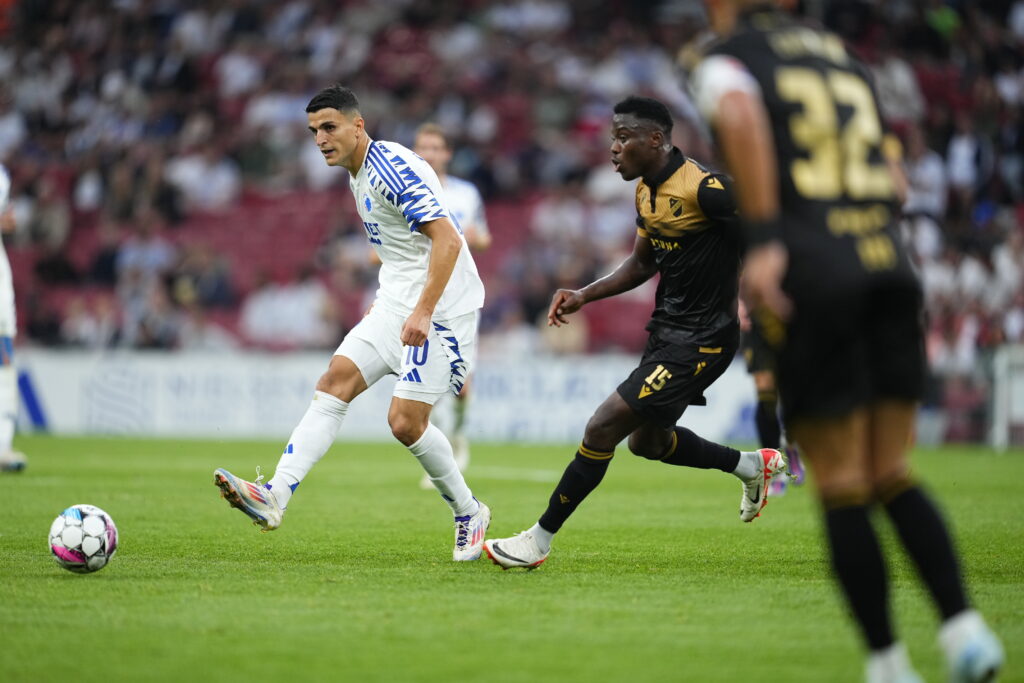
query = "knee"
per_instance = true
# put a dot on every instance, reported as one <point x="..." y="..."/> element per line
<point x="406" y="428"/>
<point x="598" y="434"/>
<point x="645" y="447"/>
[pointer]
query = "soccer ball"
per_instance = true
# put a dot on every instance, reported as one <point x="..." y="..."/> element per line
<point x="83" y="538"/>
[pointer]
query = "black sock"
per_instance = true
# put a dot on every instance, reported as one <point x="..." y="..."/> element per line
<point x="927" y="540"/>
<point x="581" y="477"/>
<point x="860" y="568"/>
<point x="767" y="419"/>
<point x="692" y="451"/>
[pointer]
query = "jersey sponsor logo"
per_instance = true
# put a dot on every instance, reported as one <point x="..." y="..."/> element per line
<point x="372" y="232"/>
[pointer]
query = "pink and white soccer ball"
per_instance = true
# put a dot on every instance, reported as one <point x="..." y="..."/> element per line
<point x="83" y="538"/>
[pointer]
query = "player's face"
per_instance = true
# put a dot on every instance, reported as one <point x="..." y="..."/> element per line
<point x="635" y="146"/>
<point x="434" y="151"/>
<point x="337" y="134"/>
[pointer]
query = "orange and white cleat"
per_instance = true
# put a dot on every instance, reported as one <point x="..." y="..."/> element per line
<point x="755" y="489"/>
<point x="520" y="550"/>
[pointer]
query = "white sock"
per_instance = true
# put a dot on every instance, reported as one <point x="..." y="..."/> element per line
<point x="437" y="459"/>
<point x="542" y="536"/>
<point x="749" y="465"/>
<point x="312" y="437"/>
<point x="8" y="406"/>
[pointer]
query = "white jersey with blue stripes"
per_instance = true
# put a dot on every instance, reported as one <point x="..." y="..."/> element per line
<point x="465" y="204"/>
<point x="8" y="319"/>
<point x="395" y="193"/>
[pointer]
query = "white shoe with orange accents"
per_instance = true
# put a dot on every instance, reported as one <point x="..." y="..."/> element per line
<point x="469" y="534"/>
<point x="252" y="498"/>
<point x="521" y="550"/>
<point x="755" y="489"/>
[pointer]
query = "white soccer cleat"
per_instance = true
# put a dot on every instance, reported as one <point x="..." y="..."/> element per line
<point x="520" y="550"/>
<point x="252" y="498"/>
<point x="755" y="490"/>
<point x="973" y="652"/>
<point x="12" y="461"/>
<point x="469" y="534"/>
<point x="891" y="665"/>
<point x="460" y="445"/>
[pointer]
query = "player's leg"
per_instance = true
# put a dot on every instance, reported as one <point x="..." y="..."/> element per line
<point x="671" y="377"/>
<point x="10" y="460"/>
<point x="426" y="373"/>
<point x="766" y="416"/>
<point x="459" y="440"/>
<point x="837" y="450"/>
<point x="607" y="427"/>
<point x="358" y="363"/>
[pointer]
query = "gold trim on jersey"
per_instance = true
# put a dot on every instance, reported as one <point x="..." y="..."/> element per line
<point x="676" y="211"/>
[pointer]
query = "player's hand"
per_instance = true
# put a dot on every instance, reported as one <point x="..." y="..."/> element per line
<point x="763" y="270"/>
<point x="416" y="328"/>
<point x="564" y="302"/>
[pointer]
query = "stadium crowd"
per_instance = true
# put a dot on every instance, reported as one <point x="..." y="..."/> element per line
<point x="125" y="123"/>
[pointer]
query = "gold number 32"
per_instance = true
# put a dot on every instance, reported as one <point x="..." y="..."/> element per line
<point x="837" y="158"/>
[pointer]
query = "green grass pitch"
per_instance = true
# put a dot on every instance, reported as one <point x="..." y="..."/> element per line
<point x="655" y="579"/>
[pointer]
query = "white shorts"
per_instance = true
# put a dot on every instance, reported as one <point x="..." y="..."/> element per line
<point x="425" y="373"/>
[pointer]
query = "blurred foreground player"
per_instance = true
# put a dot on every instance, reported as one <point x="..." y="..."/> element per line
<point x="798" y="126"/>
<point x="10" y="460"/>
<point x="422" y="326"/>
<point x="687" y="233"/>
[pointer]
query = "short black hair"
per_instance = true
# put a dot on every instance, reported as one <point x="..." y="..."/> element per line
<point x="334" y="96"/>
<point x="648" y="109"/>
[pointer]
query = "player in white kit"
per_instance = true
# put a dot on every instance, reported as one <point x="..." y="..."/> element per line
<point x="467" y="209"/>
<point x="422" y="326"/>
<point x="10" y="460"/>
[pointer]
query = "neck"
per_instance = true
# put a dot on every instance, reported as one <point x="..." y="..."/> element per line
<point x="358" y="155"/>
<point x="651" y="175"/>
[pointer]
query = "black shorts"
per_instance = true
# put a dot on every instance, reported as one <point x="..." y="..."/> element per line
<point x="673" y="375"/>
<point x="756" y="352"/>
<point x="852" y="350"/>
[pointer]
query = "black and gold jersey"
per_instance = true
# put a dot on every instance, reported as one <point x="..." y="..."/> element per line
<point x="689" y="216"/>
<point x="838" y="199"/>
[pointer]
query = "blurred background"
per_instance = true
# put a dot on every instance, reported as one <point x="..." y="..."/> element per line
<point x="171" y="207"/>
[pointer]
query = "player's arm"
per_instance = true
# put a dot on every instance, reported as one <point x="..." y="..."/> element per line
<point x="731" y="100"/>
<point x="639" y="267"/>
<point x="477" y="234"/>
<point x="445" y="245"/>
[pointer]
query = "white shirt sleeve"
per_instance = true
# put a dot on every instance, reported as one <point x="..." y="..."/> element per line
<point x="5" y="188"/>
<point x="715" y="77"/>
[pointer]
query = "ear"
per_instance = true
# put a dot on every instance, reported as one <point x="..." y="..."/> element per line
<point x="657" y="138"/>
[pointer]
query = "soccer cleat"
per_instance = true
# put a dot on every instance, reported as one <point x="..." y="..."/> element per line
<point x="778" y="487"/>
<point x="252" y="498"/>
<point x="520" y="550"/>
<point x="755" y="490"/>
<point x="973" y="652"/>
<point x="891" y="665"/>
<point x="12" y="461"/>
<point x="795" y="467"/>
<point x="469" y="534"/>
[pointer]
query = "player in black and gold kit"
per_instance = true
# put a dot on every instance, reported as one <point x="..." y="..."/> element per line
<point x="687" y="233"/>
<point x="797" y="121"/>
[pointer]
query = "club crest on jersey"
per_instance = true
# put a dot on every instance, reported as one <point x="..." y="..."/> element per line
<point x="367" y="203"/>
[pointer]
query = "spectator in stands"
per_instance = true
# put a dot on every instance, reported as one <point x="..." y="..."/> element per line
<point x="207" y="178"/>
<point x="199" y="333"/>
<point x="147" y="251"/>
<point x="925" y="205"/>
<point x="205" y="275"/>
